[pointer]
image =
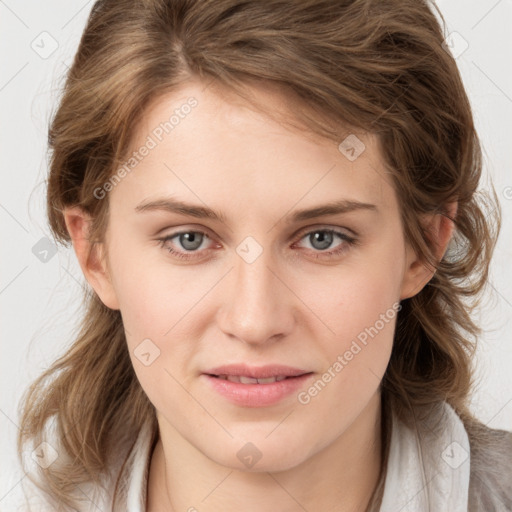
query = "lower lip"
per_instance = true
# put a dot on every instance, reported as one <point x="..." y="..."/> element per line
<point x="257" y="395"/>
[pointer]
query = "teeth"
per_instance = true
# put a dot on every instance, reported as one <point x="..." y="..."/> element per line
<point x="249" y="380"/>
<point x="268" y="380"/>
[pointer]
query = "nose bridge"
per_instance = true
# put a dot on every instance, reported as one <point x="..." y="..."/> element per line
<point x="256" y="307"/>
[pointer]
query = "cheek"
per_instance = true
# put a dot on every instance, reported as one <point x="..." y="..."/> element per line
<point x="360" y="311"/>
<point x="358" y="304"/>
<point x="160" y="304"/>
<point x="152" y="295"/>
<point x="361" y="319"/>
<point x="355" y="296"/>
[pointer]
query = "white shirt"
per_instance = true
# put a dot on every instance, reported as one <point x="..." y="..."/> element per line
<point x="428" y="470"/>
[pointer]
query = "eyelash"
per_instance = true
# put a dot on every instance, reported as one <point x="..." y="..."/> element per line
<point x="349" y="241"/>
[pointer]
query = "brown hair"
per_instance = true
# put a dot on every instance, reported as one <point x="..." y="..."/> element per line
<point x="371" y="65"/>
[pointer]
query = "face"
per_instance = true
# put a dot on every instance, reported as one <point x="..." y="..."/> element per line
<point x="238" y="274"/>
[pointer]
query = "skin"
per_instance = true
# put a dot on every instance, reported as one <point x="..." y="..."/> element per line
<point x="292" y="305"/>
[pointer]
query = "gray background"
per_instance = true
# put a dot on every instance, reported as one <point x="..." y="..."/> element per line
<point x="40" y="285"/>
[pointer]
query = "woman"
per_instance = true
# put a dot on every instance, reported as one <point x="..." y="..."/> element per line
<point x="275" y="206"/>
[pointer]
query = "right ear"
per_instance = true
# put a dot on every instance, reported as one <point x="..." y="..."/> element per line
<point x="91" y="256"/>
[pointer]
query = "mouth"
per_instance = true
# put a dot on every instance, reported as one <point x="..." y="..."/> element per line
<point x="246" y="374"/>
<point x="248" y="386"/>
<point x="243" y="379"/>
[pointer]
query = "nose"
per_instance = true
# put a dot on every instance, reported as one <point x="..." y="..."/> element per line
<point x="258" y="306"/>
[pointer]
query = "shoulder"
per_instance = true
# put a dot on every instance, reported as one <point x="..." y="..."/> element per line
<point x="483" y="478"/>
<point x="490" y="458"/>
<point x="490" y="487"/>
<point x="121" y="479"/>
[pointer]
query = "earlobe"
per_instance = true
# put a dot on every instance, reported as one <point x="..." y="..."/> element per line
<point x="418" y="273"/>
<point x="90" y="255"/>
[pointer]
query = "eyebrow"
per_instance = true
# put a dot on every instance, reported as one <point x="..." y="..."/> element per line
<point x="204" y="212"/>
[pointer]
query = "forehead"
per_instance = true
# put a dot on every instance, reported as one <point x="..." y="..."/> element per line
<point x="204" y="142"/>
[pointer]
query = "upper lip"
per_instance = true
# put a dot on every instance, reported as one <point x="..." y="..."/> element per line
<point x="257" y="372"/>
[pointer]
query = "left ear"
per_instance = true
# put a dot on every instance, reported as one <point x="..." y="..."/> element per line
<point x="417" y="272"/>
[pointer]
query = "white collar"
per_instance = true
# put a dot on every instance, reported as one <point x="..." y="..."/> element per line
<point x="427" y="471"/>
<point x="428" y="466"/>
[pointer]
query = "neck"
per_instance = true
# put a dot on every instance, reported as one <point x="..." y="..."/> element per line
<point x="340" y="477"/>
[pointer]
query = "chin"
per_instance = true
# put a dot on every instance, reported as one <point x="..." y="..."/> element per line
<point x="263" y="456"/>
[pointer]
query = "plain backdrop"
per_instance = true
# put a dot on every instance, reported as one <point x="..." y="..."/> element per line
<point x="40" y="284"/>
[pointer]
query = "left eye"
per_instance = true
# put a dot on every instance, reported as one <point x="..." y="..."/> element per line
<point x="191" y="241"/>
<point x="320" y="240"/>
